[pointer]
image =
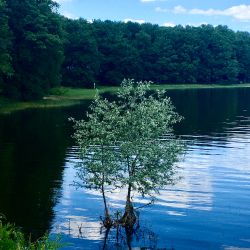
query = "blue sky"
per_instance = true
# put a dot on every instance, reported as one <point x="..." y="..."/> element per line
<point x="233" y="13"/>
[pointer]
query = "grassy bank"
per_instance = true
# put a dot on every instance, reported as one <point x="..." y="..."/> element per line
<point x="60" y="97"/>
<point x="12" y="238"/>
<point x="8" y="106"/>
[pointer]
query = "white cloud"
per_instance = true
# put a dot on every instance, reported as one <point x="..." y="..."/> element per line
<point x="179" y="9"/>
<point x="159" y="9"/>
<point x="239" y="12"/>
<point x="208" y="12"/>
<point x="169" y="24"/>
<point x="140" y="21"/>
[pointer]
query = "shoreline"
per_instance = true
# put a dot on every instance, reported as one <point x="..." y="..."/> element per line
<point x="66" y="96"/>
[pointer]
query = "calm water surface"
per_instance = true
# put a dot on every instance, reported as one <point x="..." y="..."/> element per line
<point x="209" y="208"/>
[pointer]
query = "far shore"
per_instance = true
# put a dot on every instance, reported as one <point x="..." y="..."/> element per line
<point x="65" y="96"/>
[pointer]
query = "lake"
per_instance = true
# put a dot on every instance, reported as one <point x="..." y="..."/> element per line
<point x="209" y="208"/>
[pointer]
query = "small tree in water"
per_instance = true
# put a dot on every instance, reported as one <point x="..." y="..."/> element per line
<point x="129" y="143"/>
<point x="97" y="140"/>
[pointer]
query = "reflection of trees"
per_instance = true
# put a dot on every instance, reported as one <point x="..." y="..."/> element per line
<point x="140" y="236"/>
<point x="206" y="109"/>
<point x="32" y="151"/>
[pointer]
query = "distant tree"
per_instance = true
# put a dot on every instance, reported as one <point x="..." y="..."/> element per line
<point x="81" y="64"/>
<point x="242" y="47"/>
<point x="166" y="69"/>
<point x="6" y="69"/>
<point x="129" y="143"/>
<point x="34" y="39"/>
<point x="224" y="65"/>
<point x="37" y="51"/>
<point x="117" y="54"/>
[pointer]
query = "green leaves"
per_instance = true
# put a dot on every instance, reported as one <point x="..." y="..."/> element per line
<point x="81" y="62"/>
<point x="97" y="139"/>
<point x="40" y="49"/>
<point x="6" y="69"/>
<point x="129" y="141"/>
<point x="12" y="238"/>
<point x="36" y="49"/>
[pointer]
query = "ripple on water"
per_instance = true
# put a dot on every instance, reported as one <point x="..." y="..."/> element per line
<point x="207" y="209"/>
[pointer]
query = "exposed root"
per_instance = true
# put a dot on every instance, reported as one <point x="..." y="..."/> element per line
<point x="129" y="218"/>
<point x="107" y="222"/>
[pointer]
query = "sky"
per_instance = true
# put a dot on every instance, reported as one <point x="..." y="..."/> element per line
<point x="233" y="13"/>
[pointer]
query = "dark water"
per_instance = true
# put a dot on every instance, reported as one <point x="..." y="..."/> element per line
<point x="209" y="208"/>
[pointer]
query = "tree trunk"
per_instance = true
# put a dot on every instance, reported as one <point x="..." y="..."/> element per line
<point x="107" y="221"/>
<point x="129" y="218"/>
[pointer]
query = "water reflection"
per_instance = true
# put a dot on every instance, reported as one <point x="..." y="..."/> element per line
<point x="207" y="209"/>
<point x="208" y="206"/>
<point x="31" y="161"/>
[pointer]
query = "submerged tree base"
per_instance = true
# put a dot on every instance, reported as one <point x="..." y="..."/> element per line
<point x="129" y="218"/>
<point x="107" y="222"/>
<point x="122" y="235"/>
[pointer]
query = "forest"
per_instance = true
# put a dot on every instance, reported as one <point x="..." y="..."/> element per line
<point x="41" y="49"/>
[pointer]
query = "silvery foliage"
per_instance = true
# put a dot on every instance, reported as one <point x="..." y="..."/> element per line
<point x="129" y="141"/>
<point x="97" y="140"/>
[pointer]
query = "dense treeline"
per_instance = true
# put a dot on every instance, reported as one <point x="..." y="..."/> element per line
<point x="107" y="52"/>
<point x="34" y="49"/>
<point x="40" y="49"/>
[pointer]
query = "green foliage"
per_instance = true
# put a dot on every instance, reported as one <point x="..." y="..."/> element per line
<point x="81" y="63"/>
<point x="97" y="140"/>
<point x="204" y="54"/>
<point x="12" y="238"/>
<point x="37" y="51"/>
<point x="243" y="55"/>
<point x="129" y="142"/>
<point x="117" y="56"/>
<point x="148" y="148"/>
<point x="5" y="43"/>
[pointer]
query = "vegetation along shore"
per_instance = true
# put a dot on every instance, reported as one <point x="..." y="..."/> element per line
<point x="66" y="96"/>
<point x="41" y="49"/>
